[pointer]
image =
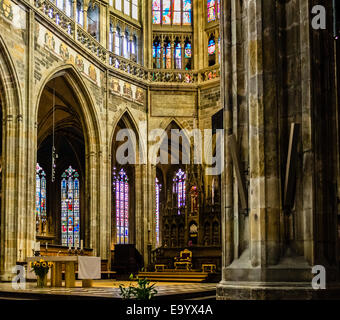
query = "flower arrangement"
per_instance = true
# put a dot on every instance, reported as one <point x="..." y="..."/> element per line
<point x="40" y="269"/>
<point x="143" y="290"/>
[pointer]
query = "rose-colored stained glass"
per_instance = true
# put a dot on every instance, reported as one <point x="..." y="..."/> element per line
<point x="211" y="47"/>
<point x="166" y="15"/>
<point x="121" y="193"/>
<point x="211" y="7"/>
<point x="156" y="11"/>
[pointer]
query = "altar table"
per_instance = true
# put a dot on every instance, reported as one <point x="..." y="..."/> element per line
<point x="56" y="272"/>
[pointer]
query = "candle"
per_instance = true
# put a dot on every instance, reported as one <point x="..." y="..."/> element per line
<point x="81" y="245"/>
<point x="69" y="246"/>
<point x="46" y="246"/>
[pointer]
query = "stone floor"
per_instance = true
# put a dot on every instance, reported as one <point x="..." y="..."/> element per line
<point x="108" y="289"/>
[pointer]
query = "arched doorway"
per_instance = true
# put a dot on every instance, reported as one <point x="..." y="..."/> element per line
<point x="65" y="122"/>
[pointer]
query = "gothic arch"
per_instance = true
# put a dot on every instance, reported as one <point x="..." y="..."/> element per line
<point x="87" y="116"/>
<point x="131" y="123"/>
<point x="12" y="116"/>
<point x="87" y="112"/>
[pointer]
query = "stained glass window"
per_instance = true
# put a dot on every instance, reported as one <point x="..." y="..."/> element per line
<point x="119" y="5"/>
<point x="93" y="20"/>
<point x="117" y="42"/>
<point x="127" y="7"/>
<point x="40" y="196"/>
<point x="68" y="8"/>
<point x="121" y="195"/>
<point x="211" y="47"/>
<point x="158" y="189"/>
<point x="125" y="45"/>
<point x="187" y="50"/>
<point x="174" y="12"/>
<point x="134" y="46"/>
<point x="60" y="4"/>
<point x="111" y="38"/>
<point x="186" y="12"/>
<point x="167" y="56"/>
<point x="166" y="12"/>
<point x="177" y="12"/>
<point x="211" y="6"/>
<point x="70" y="211"/>
<point x="178" y="56"/>
<point x="179" y="189"/>
<point x="156" y="11"/>
<point x="156" y="53"/>
<point x="135" y="9"/>
<point x="80" y="12"/>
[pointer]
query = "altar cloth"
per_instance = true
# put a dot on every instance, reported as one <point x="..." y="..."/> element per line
<point x="89" y="267"/>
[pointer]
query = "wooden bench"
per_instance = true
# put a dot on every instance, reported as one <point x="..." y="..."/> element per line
<point x="208" y="267"/>
<point x="160" y="267"/>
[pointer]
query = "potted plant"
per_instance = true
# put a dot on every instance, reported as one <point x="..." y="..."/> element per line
<point x="40" y="269"/>
<point x="143" y="290"/>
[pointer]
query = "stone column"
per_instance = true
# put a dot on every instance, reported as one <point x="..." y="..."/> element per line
<point x="252" y="270"/>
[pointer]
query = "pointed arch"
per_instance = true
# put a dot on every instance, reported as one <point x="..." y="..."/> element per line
<point x="88" y="114"/>
<point x="130" y="123"/>
<point x="12" y="97"/>
<point x="11" y="172"/>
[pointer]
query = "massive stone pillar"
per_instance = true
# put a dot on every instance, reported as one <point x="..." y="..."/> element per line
<point x="268" y="55"/>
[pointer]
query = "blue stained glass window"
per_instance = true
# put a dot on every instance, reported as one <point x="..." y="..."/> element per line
<point x="179" y="188"/>
<point x="187" y="12"/>
<point x="187" y="50"/>
<point x="178" y="56"/>
<point x="167" y="56"/>
<point x="156" y="53"/>
<point x="70" y="208"/>
<point x="40" y="196"/>
<point x="121" y="195"/>
<point x="211" y="47"/>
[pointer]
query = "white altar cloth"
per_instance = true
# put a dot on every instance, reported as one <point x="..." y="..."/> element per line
<point x="89" y="267"/>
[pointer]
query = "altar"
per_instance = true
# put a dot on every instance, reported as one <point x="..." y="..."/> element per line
<point x="89" y="269"/>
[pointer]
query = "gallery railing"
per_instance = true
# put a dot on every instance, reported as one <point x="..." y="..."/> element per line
<point x="78" y="34"/>
<point x="53" y="13"/>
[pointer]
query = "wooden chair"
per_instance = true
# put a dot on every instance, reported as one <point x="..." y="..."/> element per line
<point x="184" y="259"/>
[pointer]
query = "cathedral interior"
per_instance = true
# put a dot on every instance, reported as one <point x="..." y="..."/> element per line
<point x="78" y="78"/>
